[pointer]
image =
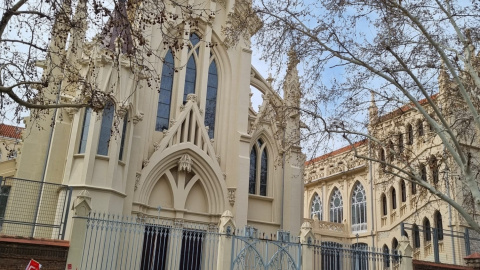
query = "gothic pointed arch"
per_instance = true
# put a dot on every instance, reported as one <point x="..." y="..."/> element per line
<point x="316" y="208"/>
<point x="359" y="208"/>
<point x="336" y="206"/>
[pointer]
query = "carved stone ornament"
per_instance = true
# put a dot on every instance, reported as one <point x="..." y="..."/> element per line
<point x="122" y="111"/>
<point x="71" y="112"/>
<point x="185" y="163"/>
<point x="182" y="107"/>
<point x="156" y="145"/>
<point x="231" y="195"/>
<point x="137" y="118"/>
<point x="172" y="122"/>
<point x="192" y="97"/>
<point x="137" y="180"/>
<point x="145" y="163"/>
<point x="383" y="235"/>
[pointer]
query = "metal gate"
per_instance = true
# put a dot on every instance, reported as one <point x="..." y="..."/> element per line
<point x="251" y="252"/>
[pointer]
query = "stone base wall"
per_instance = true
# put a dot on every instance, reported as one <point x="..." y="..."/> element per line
<point x="15" y="254"/>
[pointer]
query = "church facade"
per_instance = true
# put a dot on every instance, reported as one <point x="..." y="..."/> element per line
<point x="187" y="148"/>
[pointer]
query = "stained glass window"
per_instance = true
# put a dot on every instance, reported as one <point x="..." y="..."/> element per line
<point x="359" y="208"/>
<point x="165" y="95"/>
<point x="336" y="206"/>
<point x="105" y="129"/>
<point x="85" y="127"/>
<point x="316" y="207"/>
<point x="211" y="102"/>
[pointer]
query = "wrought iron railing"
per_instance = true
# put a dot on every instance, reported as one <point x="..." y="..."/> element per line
<point x="33" y="209"/>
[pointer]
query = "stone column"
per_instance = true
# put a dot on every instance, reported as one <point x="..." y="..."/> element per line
<point x="307" y="239"/>
<point x="81" y="207"/>
<point x="226" y="229"/>
<point x="407" y="252"/>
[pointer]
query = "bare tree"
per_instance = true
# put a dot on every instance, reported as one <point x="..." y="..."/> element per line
<point x="401" y="52"/>
<point x="42" y="42"/>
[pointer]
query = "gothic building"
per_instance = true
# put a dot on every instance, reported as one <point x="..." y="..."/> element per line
<point x="187" y="148"/>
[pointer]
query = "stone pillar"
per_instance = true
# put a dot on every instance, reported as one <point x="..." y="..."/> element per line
<point x="473" y="261"/>
<point x="81" y="207"/>
<point x="226" y="229"/>
<point x="307" y="239"/>
<point x="406" y="251"/>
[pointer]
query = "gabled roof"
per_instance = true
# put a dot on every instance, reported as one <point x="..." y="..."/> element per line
<point x="336" y="152"/>
<point x="10" y="131"/>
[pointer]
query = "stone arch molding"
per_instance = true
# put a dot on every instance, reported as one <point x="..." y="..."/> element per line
<point x="186" y="145"/>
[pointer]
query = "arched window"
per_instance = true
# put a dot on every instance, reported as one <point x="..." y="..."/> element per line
<point x="258" y="169"/>
<point x="382" y="158"/>
<point x="391" y="152"/>
<point x="384" y="205"/>
<point x="409" y="134"/>
<point x="336" y="206"/>
<point x="360" y="256"/>
<point x="394" y="199"/>
<point x="105" y="129"/>
<point x="439" y="225"/>
<point x="434" y="169"/>
<point x="316" y="207"/>
<point x="395" y="249"/>
<point x="359" y="208"/>
<point x="252" y="182"/>
<point x="403" y="189"/>
<point x="124" y="135"/>
<point x="165" y="95"/>
<point x="386" y="256"/>
<point x="416" y="236"/>
<point x="420" y="128"/>
<point x="84" y="134"/>
<point x="413" y="188"/>
<point x="427" y="230"/>
<point x="191" y="71"/>
<point x="423" y="172"/>
<point x="400" y="143"/>
<point x="211" y="102"/>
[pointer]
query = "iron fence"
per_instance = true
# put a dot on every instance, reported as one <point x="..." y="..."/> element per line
<point x="359" y="256"/>
<point x="33" y="209"/>
<point x="441" y="245"/>
<point x="116" y="242"/>
<point x="251" y="250"/>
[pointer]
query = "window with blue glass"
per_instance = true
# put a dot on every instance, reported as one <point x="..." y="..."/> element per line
<point x="258" y="169"/>
<point x="211" y="102"/>
<point x="165" y="95"/>
<point x="85" y="127"/>
<point x="191" y="72"/>
<point x="105" y="129"/>
<point x="122" y="140"/>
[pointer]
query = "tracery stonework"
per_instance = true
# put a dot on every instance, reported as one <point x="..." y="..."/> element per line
<point x="231" y="195"/>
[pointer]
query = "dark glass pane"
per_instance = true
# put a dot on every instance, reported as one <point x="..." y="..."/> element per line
<point x="394" y="199"/>
<point x="384" y="205"/>
<point x="191" y="253"/>
<point x="410" y="134"/>
<point x="420" y="128"/>
<point x="155" y="247"/>
<point x="439" y="225"/>
<point x="165" y="96"/>
<point x="427" y="232"/>
<point x="84" y="135"/>
<point x="423" y="172"/>
<point x="263" y="173"/>
<point x="105" y="129"/>
<point x="400" y="143"/>
<point x="194" y="39"/>
<point x="386" y="256"/>
<point x="211" y="102"/>
<point x="190" y="78"/>
<point x="4" y="193"/>
<point x="124" y="134"/>
<point x="253" y="172"/>
<point x="404" y="191"/>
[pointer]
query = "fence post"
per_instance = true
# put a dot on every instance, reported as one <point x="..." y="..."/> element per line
<point x="307" y="239"/>
<point x="407" y="252"/>
<point x="81" y="208"/>
<point x="226" y="229"/>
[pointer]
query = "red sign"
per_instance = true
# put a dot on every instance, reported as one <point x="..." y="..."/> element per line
<point x="33" y="265"/>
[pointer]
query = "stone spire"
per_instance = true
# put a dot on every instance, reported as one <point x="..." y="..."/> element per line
<point x="117" y="32"/>
<point x="292" y="94"/>
<point x="373" y="109"/>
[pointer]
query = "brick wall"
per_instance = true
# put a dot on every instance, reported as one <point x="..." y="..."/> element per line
<point x="15" y="253"/>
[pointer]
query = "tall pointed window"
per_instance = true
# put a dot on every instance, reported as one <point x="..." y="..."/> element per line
<point x="191" y="72"/>
<point x="85" y="127"/>
<point x="386" y="256"/>
<point x="336" y="206"/>
<point x="423" y="172"/>
<point x="439" y="225"/>
<point x="420" y="128"/>
<point x="400" y="143"/>
<point x="409" y="134"/>
<point x="434" y="169"/>
<point x="416" y="236"/>
<point x="394" y="199"/>
<point x="316" y="207"/>
<point x="382" y="158"/>
<point x="403" y="189"/>
<point x="384" y="205"/>
<point x="258" y="169"/>
<point x="427" y="230"/>
<point x="391" y="152"/>
<point x="359" y="209"/>
<point x="211" y="102"/>
<point x="124" y="135"/>
<point x="165" y="95"/>
<point x="105" y="129"/>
